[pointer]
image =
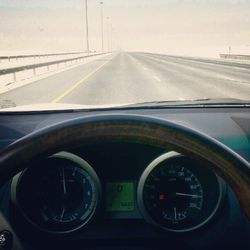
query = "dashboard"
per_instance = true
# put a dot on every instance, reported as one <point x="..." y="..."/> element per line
<point x="126" y="194"/>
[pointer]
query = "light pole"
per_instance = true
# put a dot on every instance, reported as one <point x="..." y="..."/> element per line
<point x="108" y="34"/>
<point x="101" y="3"/>
<point x="111" y="37"/>
<point x="114" y="40"/>
<point x="87" y="25"/>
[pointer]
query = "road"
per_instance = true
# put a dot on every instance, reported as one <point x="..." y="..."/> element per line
<point x="136" y="77"/>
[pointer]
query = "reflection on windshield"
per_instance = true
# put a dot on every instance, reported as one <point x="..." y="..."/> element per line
<point x="115" y="52"/>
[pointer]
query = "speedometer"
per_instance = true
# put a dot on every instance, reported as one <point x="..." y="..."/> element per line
<point x="178" y="194"/>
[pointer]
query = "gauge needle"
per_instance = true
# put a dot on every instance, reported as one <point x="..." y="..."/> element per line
<point x="62" y="214"/>
<point x="190" y="195"/>
<point x="64" y="182"/>
<point x="175" y="214"/>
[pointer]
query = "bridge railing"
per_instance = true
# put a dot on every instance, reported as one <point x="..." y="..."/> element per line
<point x="12" y="70"/>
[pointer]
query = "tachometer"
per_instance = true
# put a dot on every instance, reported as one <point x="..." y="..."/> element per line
<point x="178" y="194"/>
<point x="60" y="195"/>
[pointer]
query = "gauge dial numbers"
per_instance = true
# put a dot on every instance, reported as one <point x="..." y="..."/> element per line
<point x="60" y="195"/>
<point x="178" y="194"/>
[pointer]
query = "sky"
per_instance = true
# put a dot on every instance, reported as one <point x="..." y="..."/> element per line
<point x="194" y="27"/>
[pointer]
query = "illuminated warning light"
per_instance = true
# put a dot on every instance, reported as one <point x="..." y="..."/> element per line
<point x="162" y="197"/>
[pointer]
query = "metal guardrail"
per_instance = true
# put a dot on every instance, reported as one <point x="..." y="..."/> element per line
<point x="38" y="55"/>
<point x="44" y="64"/>
<point x="235" y="56"/>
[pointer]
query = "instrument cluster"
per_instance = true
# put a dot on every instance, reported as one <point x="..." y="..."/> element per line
<point x="64" y="193"/>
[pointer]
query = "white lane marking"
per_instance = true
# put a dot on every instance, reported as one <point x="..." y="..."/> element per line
<point x="205" y="72"/>
<point x="157" y="78"/>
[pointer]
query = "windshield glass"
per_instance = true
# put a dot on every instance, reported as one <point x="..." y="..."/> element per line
<point x="115" y="52"/>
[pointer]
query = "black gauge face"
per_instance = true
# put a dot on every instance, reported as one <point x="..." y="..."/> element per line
<point x="178" y="194"/>
<point x="68" y="194"/>
<point x="173" y="193"/>
<point x="59" y="196"/>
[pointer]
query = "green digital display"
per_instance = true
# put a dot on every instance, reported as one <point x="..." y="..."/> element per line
<point x="119" y="196"/>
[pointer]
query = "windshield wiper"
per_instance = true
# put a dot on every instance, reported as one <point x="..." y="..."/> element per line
<point x="205" y="102"/>
<point x="197" y="103"/>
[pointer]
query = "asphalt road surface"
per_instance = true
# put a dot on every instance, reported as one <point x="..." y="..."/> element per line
<point x="123" y="78"/>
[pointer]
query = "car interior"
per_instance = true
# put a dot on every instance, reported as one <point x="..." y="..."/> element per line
<point x="133" y="178"/>
<point x="124" y="125"/>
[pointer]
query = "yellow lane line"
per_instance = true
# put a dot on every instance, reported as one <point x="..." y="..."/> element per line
<point x="77" y="84"/>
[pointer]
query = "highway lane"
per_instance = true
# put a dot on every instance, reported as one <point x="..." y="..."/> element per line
<point x="201" y="80"/>
<point x="47" y="89"/>
<point x="136" y="77"/>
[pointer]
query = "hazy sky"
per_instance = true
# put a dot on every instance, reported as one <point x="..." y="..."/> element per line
<point x="145" y="25"/>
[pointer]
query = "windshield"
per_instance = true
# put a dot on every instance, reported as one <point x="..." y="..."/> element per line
<point x="115" y="52"/>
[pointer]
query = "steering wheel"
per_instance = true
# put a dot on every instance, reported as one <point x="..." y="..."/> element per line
<point x="140" y="129"/>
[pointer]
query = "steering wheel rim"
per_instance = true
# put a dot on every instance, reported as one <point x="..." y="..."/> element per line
<point x="141" y="129"/>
